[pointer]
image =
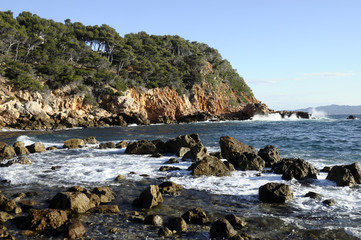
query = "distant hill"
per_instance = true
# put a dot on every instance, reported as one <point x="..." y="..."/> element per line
<point x="334" y="109"/>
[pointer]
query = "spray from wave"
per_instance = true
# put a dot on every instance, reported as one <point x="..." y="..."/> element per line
<point x="274" y="117"/>
<point x="318" y="114"/>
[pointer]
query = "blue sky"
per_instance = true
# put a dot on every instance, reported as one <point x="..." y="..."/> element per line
<point x="292" y="53"/>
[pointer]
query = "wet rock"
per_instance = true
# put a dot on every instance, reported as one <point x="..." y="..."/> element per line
<point x="19" y="144"/>
<point x="157" y="155"/>
<point x="313" y="195"/>
<point x="141" y="147"/>
<point x="295" y="168"/>
<point x="90" y="140"/>
<point x="27" y="204"/>
<point x="168" y="168"/>
<point x="107" y="145"/>
<point x="36" y="147"/>
<point x="4" y="234"/>
<point x="119" y="178"/>
<point x="21" y="151"/>
<point x="248" y="161"/>
<point x="170" y="187"/>
<point x="154" y="220"/>
<point x="326" y="169"/>
<point x="177" y="224"/>
<point x="52" y="148"/>
<point x="209" y="166"/>
<point x="44" y="219"/>
<point x="77" y="202"/>
<point x="329" y="202"/>
<point x="352" y="117"/>
<point x="121" y="144"/>
<point x="345" y="175"/>
<point x="196" y="153"/>
<point x="165" y="232"/>
<point x="230" y="166"/>
<point x="216" y="154"/>
<point x="235" y="221"/>
<point x="172" y="161"/>
<point x="107" y="209"/>
<point x="183" y="151"/>
<point x="231" y="148"/>
<point x="75" y="229"/>
<point x="275" y="193"/>
<point x="74" y="143"/>
<point x="7" y="152"/>
<point x="149" y="198"/>
<point x="136" y="217"/>
<point x="4" y="217"/>
<point x="8" y="205"/>
<point x="196" y="216"/>
<point x="222" y="229"/>
<point x="270" y="155"/>
<point x="106" y="194"/>
<point x="186" y="141"/>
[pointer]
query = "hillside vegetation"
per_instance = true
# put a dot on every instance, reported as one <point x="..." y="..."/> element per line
<point x="41" y="54"/>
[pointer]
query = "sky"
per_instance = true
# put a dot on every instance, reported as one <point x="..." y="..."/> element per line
<point x="292" y="53"/>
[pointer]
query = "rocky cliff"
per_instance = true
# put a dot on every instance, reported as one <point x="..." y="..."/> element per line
<point x="60" y="108"/>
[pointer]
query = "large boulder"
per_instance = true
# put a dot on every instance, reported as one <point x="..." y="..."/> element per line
<point x="185" y="141"/>
<point x="222" y="229"/>
<point x="248" y="161"/>
<point x="210" y="166"/>
<point x="231" y="148"/>
<point x="7" y="152"/>
<point x="345" y="175"/>
<point x="141" y="147"/>
<point x="295" y="168"/>
<point x="195" y="215"/>
<point x="275" y="193"/>
<point x="196" y="153"/>
<point x="270" y="155"/>
<point x="44" y="219"/>
<point x="77" y="202"/>
<point x="74" y="143"/>
<point x="36" y="147"/>
<point x="149" y="198"/>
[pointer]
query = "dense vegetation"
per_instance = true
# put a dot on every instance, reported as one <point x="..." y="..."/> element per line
<point x="37" y="53"/>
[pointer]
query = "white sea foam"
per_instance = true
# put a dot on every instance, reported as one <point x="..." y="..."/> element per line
<point x="318" y="114"/>
<point x="274" y="117"/>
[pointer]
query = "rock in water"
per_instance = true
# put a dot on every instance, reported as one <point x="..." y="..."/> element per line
<point x="36" y="147"/>
<point x="44" y="219"/>
<point x="195" y="215"/>
<point x="141" y="147"/>
<point x="345" y="175"/>
<point x="169" y="187"/>
<point x="231" y="148"/>
<point x="149" y="198"/>
<point x="270" y="155"/>
<point x="75" y="229"/>
<point x="210" y="166"/>
<point x="74" y="143"/>
<point x="275" y="193"/>
<point x="77" y="202"/>
<point x="295" y="168"/>
<point x="177" y="224"/>
<point x="222" y="229"/>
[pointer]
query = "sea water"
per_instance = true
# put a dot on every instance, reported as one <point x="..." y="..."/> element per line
<point x="325" y="141"/>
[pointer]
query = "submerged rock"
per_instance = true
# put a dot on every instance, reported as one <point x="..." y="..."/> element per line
<point x="275" y="193"/>
<point x="235" y="221"/>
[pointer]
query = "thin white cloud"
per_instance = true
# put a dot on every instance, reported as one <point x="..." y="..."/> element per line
<point x="264" y="81"/>
<point x="330" y="74"/>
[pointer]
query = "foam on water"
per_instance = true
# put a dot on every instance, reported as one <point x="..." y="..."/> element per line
<point x="274" y="117"/>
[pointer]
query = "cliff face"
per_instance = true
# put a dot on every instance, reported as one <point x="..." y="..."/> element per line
<point x="60" y="108"/>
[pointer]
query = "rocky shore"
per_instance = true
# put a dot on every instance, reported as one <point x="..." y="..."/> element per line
<point x="62" y="108"/>
<point x="155" y="208"/>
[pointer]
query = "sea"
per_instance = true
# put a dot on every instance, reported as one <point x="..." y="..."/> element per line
<point x="325" y="140"/>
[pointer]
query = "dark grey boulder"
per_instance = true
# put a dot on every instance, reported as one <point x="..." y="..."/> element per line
<point x="222" y="229"/>
<point x="295" y="168"/>
<point x="275" y="193"/>
<point x="345" y="175"/>
<point x="141" y="147"/>
<point x="196" y="216"/>
<point x="270" y="155"/>
<point x="209" y="166"/>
